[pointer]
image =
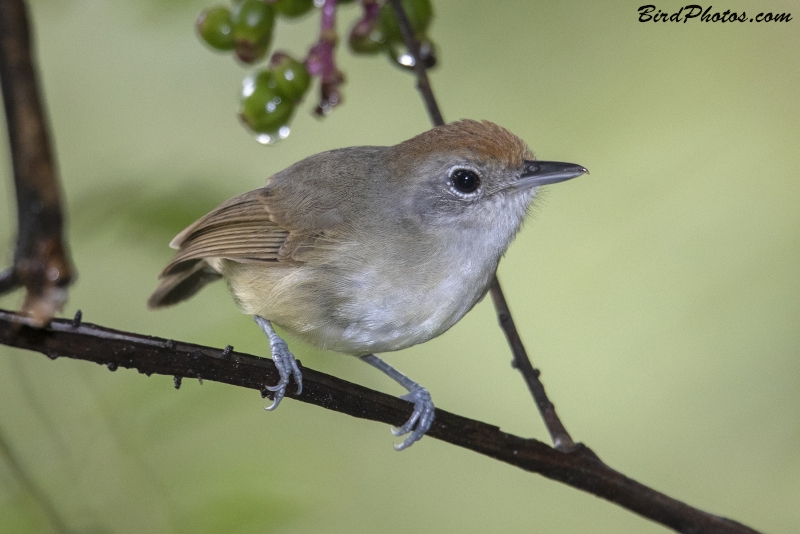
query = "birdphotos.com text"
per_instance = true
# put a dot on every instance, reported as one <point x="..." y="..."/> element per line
<point x="698" y="13"/>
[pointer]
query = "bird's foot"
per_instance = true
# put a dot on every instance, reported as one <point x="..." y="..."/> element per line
<point x="284" y="362"/>
<point x="421" y="419"/>
<point x="287" y="369"/>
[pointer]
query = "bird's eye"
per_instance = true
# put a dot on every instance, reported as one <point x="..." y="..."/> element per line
<point x="465" y="180"/>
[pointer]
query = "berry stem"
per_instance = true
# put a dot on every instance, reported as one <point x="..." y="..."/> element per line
<point x="371" y="11"/>
<point x="321" y="62"/>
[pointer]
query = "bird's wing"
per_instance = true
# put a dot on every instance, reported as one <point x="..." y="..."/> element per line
<point x="240" y="230"/>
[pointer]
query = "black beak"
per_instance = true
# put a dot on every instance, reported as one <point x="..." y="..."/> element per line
<point x="536" y="173"/>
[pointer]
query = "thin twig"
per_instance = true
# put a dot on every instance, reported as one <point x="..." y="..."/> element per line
<point x="423" y="83"/>
<point x="29" y="485"/>
<point x="41" y="261"/>
<point x="561" y="438"/>
<point x="580" y="469"/>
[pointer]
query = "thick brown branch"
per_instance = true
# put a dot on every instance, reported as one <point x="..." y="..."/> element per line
<point x="561" y="438"/>
<point x="581" y="468"/>
<point x="41" y="261"/>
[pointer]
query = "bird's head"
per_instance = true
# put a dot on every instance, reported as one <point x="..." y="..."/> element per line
<point x="471" y="176"/>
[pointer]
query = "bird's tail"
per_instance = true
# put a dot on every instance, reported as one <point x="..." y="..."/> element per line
<point x="183" y="281"/>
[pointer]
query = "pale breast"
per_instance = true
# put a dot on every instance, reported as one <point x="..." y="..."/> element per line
<point x="359" y="306"/>
<point x="384" y="302"/>
<point x="386" y="315"/>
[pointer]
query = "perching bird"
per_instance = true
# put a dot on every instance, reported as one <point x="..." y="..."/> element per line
<point x="368" y="249"/>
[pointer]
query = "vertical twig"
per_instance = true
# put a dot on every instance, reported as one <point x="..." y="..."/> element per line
<point x="27" y="483"/>
<point x="41" y="260"/>
<point x="423" y="83"/>
<point x="561" y="438"/>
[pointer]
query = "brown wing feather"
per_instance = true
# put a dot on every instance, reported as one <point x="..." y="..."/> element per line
<point x="182" y="283"/>
<point x="239" y="230"/>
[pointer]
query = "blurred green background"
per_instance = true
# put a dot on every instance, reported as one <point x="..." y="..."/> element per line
<point x="660" y="295"/>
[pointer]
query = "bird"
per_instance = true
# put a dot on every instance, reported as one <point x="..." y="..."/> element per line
<point x="368" y="249"/>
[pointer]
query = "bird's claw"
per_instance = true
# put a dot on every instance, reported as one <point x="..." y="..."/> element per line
<point x="420" y="421"/>
<point x="287" y="369"/>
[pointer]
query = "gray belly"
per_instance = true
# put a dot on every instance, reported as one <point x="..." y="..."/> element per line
<point x="372" y="312"/>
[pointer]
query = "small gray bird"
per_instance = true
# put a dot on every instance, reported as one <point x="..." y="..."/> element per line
<point x="368" y="249"/>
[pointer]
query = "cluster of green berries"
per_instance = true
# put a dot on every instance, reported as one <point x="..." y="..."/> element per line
<point x="269" y="97"/>
<point x="246" y="28"/>
<point x="382" y="34"/>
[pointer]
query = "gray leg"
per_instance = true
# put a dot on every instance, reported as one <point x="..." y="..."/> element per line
<point x="284" y="361"/>
<point x="422" y="418"/>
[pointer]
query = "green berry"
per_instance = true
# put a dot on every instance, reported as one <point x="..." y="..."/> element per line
<point x="263" y="109"/>
<point x="292" y="80"/>
<point x="367" y="38"/>
<point x="215" y="27"/>
<point x="294" y="8"/>
<point x="252" y="29"/>
<point x="419" y="12"/>
<point x="402" y="58"/>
